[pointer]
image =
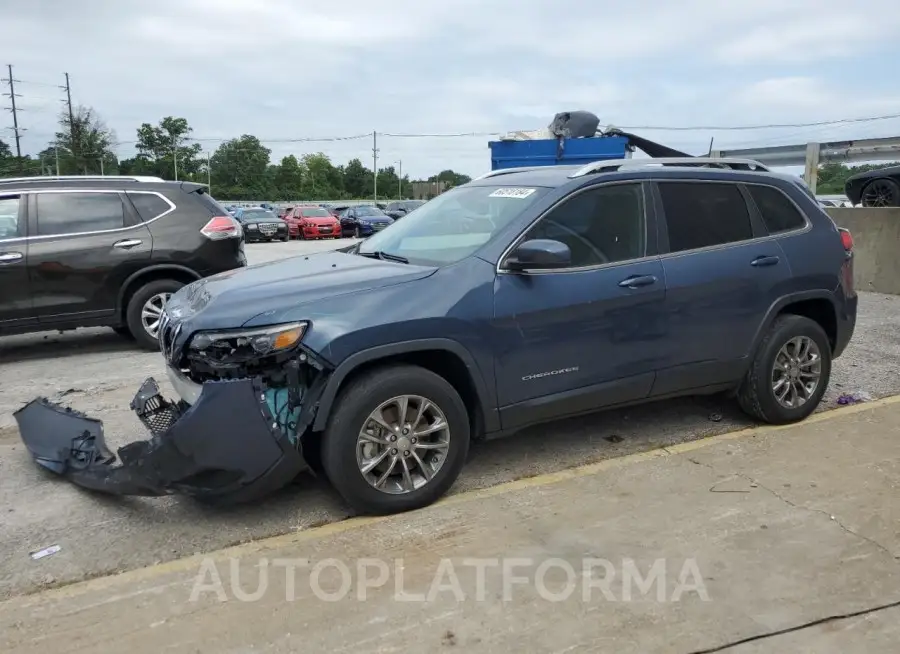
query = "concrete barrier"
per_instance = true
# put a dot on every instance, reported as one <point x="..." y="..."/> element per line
<point x="876" y="238"/>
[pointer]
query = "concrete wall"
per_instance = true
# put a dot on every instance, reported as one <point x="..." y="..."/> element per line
<point x="876" y="238"/>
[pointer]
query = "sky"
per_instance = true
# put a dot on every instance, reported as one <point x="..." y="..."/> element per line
<point x="287" y="70"/>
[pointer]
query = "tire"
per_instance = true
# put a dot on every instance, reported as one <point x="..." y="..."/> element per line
<point x="887" y="190"/>
<point x="356" y="233"/>
<point x="286" y="239"/>
<point x="145" y="339"/>
<point x="349" y="415"/>
<point x="756" y="395"/>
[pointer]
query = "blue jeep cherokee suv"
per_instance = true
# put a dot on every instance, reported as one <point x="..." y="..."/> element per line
<point x="524" y="296"/>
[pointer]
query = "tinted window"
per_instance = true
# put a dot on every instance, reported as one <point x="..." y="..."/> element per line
<point x="701" y="215"/>
<point x="602" y="225"/>
<point x="148" y="205"/>
<point x="69" y="213"/>
<point x="255" y="215"/>
<point x="368" y="211"/>
<point x="778" y="212"/>
<point x="9" y="218"/>
<point x="314" y="213"/>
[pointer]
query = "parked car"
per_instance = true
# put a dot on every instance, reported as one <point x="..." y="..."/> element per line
<point x="336" y="209"/>
<point x="400" y="208"/>
<point x="521" y="297"/>
<point x="261" y="225"/>
<point x="363" y="220"/>
<point x="875" y="188"/>
<point x="312" y="222"/>
<point x="284" y="211"/>
<point x="106" y="251"/>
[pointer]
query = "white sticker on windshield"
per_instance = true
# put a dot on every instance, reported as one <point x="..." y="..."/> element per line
<point x="518" y="193"/>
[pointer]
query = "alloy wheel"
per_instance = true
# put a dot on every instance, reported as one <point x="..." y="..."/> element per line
<point x="152" y="311"/>
<point x="796" y="372"/>
<point x="403" y="444"/>
<point x="880" y="194"/>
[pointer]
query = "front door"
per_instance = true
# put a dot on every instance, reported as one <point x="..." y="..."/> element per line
<point x="85" y="247"/>
<point x="591" y="335"/>
<point x="15" y="301"/>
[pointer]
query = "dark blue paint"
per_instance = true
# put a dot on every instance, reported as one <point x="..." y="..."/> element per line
<point x="665" y="324"/>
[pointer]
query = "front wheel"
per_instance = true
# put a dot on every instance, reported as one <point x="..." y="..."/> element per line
<point x="356" y="233"/>
<point x="145" y="309"/>
<point x="397" y="439"/>
<point x="881" y="193"/>
<point x="789" y="373"/>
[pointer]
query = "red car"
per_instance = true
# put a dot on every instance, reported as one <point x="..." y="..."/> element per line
<point x="312" y="222"/>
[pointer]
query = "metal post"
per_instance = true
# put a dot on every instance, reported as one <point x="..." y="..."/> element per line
<point x="811" y="174"/>
<point x="208" y="175"/>
<point x="400" y="179"/>
<point x="175" y="159"/>
<point x="375" y="163"/>
<point x="102" y="174"/>
<point x="56" y="150"/>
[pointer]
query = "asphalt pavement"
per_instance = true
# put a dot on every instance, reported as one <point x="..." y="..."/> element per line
<point x="98" y="372"/>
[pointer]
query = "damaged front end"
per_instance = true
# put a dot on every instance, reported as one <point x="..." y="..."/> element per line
<point x="237" y="439"/>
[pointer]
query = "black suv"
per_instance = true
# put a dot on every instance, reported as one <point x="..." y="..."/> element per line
<point x="106" y="251"/>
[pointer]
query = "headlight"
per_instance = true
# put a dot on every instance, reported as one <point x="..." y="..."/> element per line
<point x="252" y="226"/>
<point x="235" y="345"/>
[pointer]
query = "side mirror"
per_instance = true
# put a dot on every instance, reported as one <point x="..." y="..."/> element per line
<point x="543" y="254"/>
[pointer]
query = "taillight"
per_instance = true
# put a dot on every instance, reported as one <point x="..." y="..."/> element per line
<point x="846" y="239"/>
<point x="222" y="227"/>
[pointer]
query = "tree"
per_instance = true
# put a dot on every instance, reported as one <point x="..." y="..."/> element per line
<point x="388" y="183"/>
<point x="321" y="180"/>
<point x="166" y="146"/>
<point x="356" y="178"/>
<point x="450" y="178"/>
<point x="85" y="144"/>
<point x="289" y="178"/>
<point x="5" y="152"/>
<point x="242" y="164"/>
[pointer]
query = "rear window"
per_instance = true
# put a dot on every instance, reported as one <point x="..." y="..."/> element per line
<point x="314" y="212"/>
<point x="148" y="205"/>
<point x="210" y="203"/>
<point x="778" y="212"/>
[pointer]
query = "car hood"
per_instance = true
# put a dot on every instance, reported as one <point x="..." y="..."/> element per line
<point x="261" y="294"/>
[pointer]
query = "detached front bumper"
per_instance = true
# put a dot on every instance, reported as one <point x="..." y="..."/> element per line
<point x="233" y="444"/>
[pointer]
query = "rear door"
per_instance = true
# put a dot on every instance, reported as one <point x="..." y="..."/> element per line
<point x="85" y="245"/>
<point x="15" y="300"/>
<point x="722" y="274"/>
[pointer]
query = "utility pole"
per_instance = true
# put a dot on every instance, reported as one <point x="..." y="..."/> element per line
<point x="175" y="159"/>
<point x="15" y="113"/>
<point x="56" y="150"/>
<point x="375" y="162"/>
<point x="72" y="131"/>
<point x="208" y="175"/>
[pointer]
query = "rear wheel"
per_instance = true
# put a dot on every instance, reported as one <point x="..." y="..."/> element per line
<point x="145" y="309"/>
<point x="356" y="233"/>
<point x="397" y="439"/>
<point x="881" y="193"/>
<point x="789" y="373"/>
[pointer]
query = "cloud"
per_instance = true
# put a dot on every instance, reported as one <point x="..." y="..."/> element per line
<point x="283" y="69"/>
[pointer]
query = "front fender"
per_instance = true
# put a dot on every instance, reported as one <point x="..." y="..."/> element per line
<point x="351" y="363"/>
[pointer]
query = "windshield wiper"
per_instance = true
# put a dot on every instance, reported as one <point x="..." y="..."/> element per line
<point x="384" y="256"/>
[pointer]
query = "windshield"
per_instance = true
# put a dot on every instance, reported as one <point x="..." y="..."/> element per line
<point x="257" y="214"/>
<point x="452" y="226"/>
<point x="369" y="211"/>
<point x="412" y="204"/>
<point x="314" y="212"/>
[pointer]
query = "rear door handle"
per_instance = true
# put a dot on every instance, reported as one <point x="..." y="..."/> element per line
<point x="127" y="244"/>
<point x="764" y="261"/>
<point x="637" y="281"/>
<point x="9" y="257"/>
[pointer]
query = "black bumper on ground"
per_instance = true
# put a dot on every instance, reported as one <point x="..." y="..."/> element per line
<point x="225" y="448"/>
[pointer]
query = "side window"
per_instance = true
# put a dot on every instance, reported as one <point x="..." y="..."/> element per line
<point x="778" y="212"/>
<point x="602" y="225"/>
<point x="701" y="215"/>
<point x="9" y="218"/>
<point x="148" y="205"/>
<point x="71" y="213"/>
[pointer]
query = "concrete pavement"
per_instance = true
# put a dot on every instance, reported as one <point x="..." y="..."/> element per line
<point x="763" y="540"/>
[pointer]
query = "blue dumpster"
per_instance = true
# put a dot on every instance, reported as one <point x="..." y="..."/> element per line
<point x="551" y="152"/>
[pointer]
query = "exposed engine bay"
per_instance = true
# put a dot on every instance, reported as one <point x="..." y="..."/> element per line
<point x="239" y="439"/>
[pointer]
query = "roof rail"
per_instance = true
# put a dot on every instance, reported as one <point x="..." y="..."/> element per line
<point x="710" y="162"/>
<point x="50" y="178"/>
<point x="507" y="171"/>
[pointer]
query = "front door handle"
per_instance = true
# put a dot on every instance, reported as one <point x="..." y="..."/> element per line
<point x="9" y="257"/>
<point x="764" y="261"/>
<point x="127" y="244"/>
<point x="637" y="281"/>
